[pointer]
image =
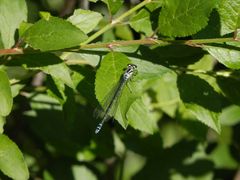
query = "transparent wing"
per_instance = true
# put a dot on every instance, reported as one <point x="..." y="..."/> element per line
<point x="100" y="110"/>
<point x="110" y="105"/>
<point x="110" y="102"/>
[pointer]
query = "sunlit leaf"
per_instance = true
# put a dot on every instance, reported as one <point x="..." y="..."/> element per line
<point x="2" y="123"/>
<point x="184" y="18"/>
<point x="141" y="22"/>
<point x="53" y="34"/>
<point x="5" y="94"/>
<point x="11" y="160"/>
<point x="140" y="117"/>
<point x="85" y="20"/>
<point x="227" y="55"/>
<point x="229" y="15"/>
<point x="12" y="13"/>
<point x="48" y="63"/>
<point x="230" y="115"/>
<point x="113" y="5"/>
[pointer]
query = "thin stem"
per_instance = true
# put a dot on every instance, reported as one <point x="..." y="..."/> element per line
<point x="11" y="51"/>
<point x="206" y="41"/>
<point x="147" y="41"/>
<point x="116" y="21"/>
<point x="153" y="41"/>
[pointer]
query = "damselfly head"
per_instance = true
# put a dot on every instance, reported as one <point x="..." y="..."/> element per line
<point x="130" y="71"/>
<point x="132" y="66"/>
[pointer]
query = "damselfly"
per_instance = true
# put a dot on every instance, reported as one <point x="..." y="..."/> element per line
<point x="110" y="106"/>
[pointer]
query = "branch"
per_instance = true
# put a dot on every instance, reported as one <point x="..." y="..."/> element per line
<point x="147" y="41"/>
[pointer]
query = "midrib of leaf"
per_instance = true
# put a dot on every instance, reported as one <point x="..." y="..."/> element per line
<point x="114" y="67"/>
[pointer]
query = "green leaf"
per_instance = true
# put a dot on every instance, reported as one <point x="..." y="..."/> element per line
<point x="133" y="163"/>
<point x="184" y="18"/>
<point x="200" y="99"/>
<point x="212" y="30"/>
<point x="1" y="43"/>
<point x="205" y="63"/>
<point x="82" y="173"/>
<point x="83" y="78"/>
<point x="124" y="32"/>
<point x="172" y="55"/>
<point x="24" y="26"/>
<point x="2" y="123"/>
<point x="209" y="118"/>
<point x="166" y="94"/>
<point x="60" y="72"/>
<point x="227" y="54"/>
<point x="72" y="58"/>
<point x="229" y="15"/>
<point x="5" y="94"/>
<point x="45" y="15"/>
<point x="222" y="157"/>
<point x="55" y="89"/>
<point x="12" y="13"/>
<point x="48" y="63"/>
<point x="148" y="70"/>
<point x="15" y="89"/>
<point x="230" y="87"/>
<point x="11" y="160"/>
<point x="85" y="20"/>
<point x="141" y="22"/>
<point x="140" y="118"/>
<point x="53" y="34"/>
<point x="113" y="5"/>
<point x="230" y="115"/>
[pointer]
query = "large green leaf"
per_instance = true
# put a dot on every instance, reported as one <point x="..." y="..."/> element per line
<point x="200" y="99"/>
<point x="11" y="160"/>
<point x="12" y="13"/>
<point x="53" y="34"/>
<point x="229" y="15"/>
<point x="184" y="18"/>
<point x="85" y="20"/>
<point x="113" y="5"/>
<point x="5" y="94"/>
<point x="227" y="54"/>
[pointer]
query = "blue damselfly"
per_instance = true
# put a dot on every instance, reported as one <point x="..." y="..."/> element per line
<point x="110" y="106"/>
